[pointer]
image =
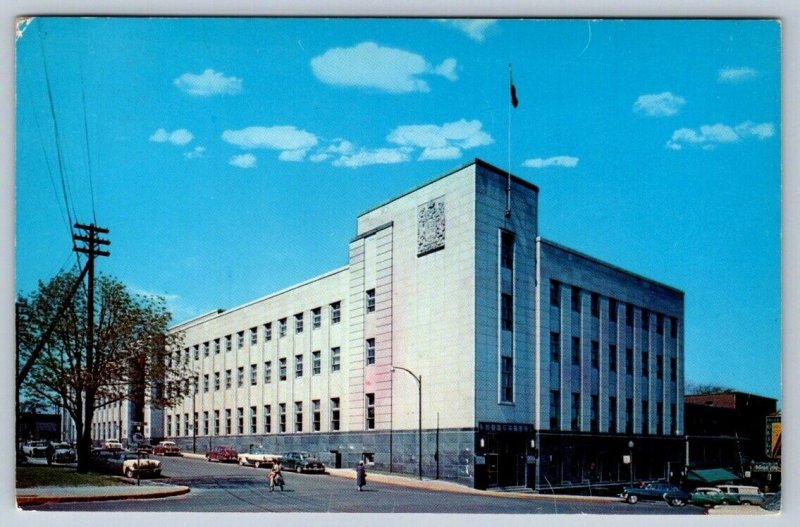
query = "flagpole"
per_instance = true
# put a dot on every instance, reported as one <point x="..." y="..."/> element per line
<point x="510" y="104"/>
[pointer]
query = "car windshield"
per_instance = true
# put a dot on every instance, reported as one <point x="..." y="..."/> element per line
<point x="257" y="450"/>
<point x="62" y="446"/>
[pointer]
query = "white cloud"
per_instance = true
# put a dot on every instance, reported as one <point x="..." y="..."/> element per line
<point x="441" y="142"/>
<point x="474" y="29"/>
<point x="369" y="65"/>
<point x="292" y="143"/>
<point x="197" y="152"/>
<point x="177" y="137"/>
<point x="208" y="83"/>
<point x="709" y="136"/>
<point x="555" y="161"/>
<point x="378" y="156"/>
<point x="243" y="161"/>
<point x="658" y="104"/>
<point x="736" y="74"/>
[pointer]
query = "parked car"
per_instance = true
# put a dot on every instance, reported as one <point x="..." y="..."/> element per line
<point x="657" y="491"/>
<point x="222" y="454"/>
<point x="747" y="495"/>
<point x="34" y="448"/>
<point x="166" y="448"/>
<point x="63" y="453"/>
<point x="257" y="457"/>
<point x="712" y="496"/>
<point x="131" y="464"/>
<point x="302" y="462"/>
<point x="143" y="448"/>
<point x="113" y="444"/>
<point x="101" y="459"/>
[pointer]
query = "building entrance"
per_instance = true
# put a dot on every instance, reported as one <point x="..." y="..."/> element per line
<point x="505" y="453"/>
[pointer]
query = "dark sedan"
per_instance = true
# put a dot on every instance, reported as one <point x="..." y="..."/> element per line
<point x="222" y="454"/>
<point x="302" y="462"/>
<point x="657" y="492"/>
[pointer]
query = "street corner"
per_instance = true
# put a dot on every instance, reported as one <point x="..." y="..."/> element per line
<point x="40" y="496"/>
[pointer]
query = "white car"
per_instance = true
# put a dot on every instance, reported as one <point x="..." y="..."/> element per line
<point x="257" y="457"/>
<point x="131" y="465"/>
<point x="34" y="448"/>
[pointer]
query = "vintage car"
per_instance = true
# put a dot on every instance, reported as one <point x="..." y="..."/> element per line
<point x="712" y="496"/>
<point x="101" y="459"/>
<point x="113" y="444"/>
<point x="34" y="448"/>
<point x="748" y="495"/>
<point x="257" y="457"/>
<point x="657" y="491"/>
<point x="222" y="454"/>
<point x="302" y="462"/>
<point x="132" y="464"/>
<point x="143" y="447"/>
<point x="166" y="448"/>
<point x="63" y="453"/>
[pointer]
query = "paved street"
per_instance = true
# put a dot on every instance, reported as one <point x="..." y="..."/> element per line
<point x="219" y="487"/>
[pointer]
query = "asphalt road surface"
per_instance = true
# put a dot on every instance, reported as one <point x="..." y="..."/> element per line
<point x="217" y="487"/>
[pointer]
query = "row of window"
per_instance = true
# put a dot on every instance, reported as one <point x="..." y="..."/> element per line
<point x="575" y="355"/>
<point x="613" y="304"/>
<point x="594" y="417"/>
<point x="221" y="422"/>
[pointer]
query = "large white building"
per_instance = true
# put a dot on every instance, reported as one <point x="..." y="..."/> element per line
<point x="538" y="364"/>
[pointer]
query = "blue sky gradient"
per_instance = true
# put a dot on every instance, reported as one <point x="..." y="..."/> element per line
<point x="230" y="157"/>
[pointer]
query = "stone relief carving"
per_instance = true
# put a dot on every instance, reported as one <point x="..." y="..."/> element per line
<point x="430" y="226"/>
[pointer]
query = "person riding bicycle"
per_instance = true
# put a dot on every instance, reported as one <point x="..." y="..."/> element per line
<point x="275" y="477"/>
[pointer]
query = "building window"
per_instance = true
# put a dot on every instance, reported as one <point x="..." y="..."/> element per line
<point x="298" y="416"/>
<point x="659" y="323"/>
<point x="507" y="249"/>
<point x="228" y="421"/>
<point x="240" y="376"/>
<point x="576" y="299"/>
<point x="216" y="381"/>
<point x="673" y="369"/>
<point x="169" y="425"/>
<point x="216" y="422"/>
<point x="645" y="417"/>
<point x="555" y="346"/>
<point x="576" y="351"/>
<point x="628" y="415"/>
<point x="612" y="358"/>
<point x="612" y="415"/>
<point x="298" y="323"/>
<point x="673" y="422"/>
<point x="336" y="312"/>
<point x="267" y="419"/>
<point x="197" y="352"/>
<point x="628" y="315"/>
<point x="370" y="407"/>
<point x="555" y="293"/>
<point x="316" y="317"/>
<point x="334" y="413"/>
<point x="268" y="372"/>
<point x="253" y="336"/>
<point x="595" y="305"/>
<point x="370" y="352"/>
<point x="282" y="418"/>
<point x="629" y="361"/>
<point x="316" y="363"/>
<point x="228" y="379"/>
<point x="205" y="423"/>
<point x="205" y="349"/>
<point x="555" y="409"/>
<point x="240" y="340"/>
<point x="575" y="417"/>
<point x="612" y="310"/>
<point x="507" y="312"/>
<point x="216" y="346"/>
<point x="282" y="369"/>
<point x="645" y="364"/>
<point x="253" y="374"/>
<point x="282" y="327"/>
<point x="506" y="379"/>
<point x="228" y="343"/>
<point x="298" y="365"/>
<point x="645" y="320"/>
<point x="594" y="413"/>
<point x="595" y="358"/>
<point x="267" y="331"/>
<point x="673" y="327"/>
<point x="660" y="418"/>
<point x="316" y="416"/>
<point x="206" y="383"/>
<point x="659" y="366"/>
<point x="335" y="359"/>
<point x="370" y="301"/>
<point x="253" y="420"/>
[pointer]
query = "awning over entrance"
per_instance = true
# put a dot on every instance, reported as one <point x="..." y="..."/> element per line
<point x="711" y="476"/>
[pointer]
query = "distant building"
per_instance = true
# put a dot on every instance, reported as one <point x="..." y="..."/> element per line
<point x="537" y="364"/>
<point x="39" y="427"/>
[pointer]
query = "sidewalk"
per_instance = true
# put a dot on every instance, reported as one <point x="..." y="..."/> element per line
<point x="40" y="495"/>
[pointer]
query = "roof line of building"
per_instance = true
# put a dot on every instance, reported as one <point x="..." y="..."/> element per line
<point x="476" y="161"/>
<point x="608" y="265"/>
<point x="192" y="321"/>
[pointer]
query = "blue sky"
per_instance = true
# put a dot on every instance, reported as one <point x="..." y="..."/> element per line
<point x="230" y="157"/>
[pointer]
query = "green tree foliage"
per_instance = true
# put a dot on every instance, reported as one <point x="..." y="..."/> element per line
<point x="130" y="358"/>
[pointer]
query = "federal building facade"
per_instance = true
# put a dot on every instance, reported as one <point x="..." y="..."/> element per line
<point x="537" y="365"/>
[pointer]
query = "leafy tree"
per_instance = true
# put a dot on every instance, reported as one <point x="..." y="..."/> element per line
<point x="129" y="358"/>
<point x="705" y="389"/>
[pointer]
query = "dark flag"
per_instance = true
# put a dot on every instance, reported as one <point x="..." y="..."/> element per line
<point x="514" y="100"/>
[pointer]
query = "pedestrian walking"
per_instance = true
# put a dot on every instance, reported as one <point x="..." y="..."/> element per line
<point x="361" y="476"/>
<point x="49" y="452"/>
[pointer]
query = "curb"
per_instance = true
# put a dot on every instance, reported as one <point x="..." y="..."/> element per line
<point x="42" y="499"/>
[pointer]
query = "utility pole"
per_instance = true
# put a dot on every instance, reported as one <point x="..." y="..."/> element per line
<point x="92" y="250"/>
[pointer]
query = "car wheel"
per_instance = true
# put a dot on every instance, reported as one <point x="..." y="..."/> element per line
<point x="632" y="498"/>
<point x="724" y="502"/>
<point x="677" y="502"/>
<point x="129" y="472"/>
<point x="241" y="462"/>
<point x="257" y="464"/>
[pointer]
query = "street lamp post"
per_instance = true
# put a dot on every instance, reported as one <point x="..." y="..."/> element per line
<point x="417" y="378"/>
<point x="195" y="380"/>
<point x="630" y="457"/>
